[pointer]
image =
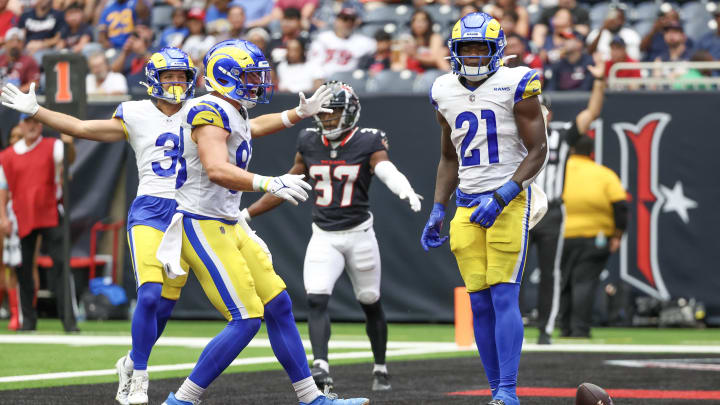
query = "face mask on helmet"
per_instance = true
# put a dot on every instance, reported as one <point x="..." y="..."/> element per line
<point x="476" y="59"/>
<point x="346" y="112"/>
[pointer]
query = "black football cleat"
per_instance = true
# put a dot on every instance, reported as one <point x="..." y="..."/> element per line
<point x="381" y="381"/>
<point x="322" y="379"/>
<point x="544" y="339"/>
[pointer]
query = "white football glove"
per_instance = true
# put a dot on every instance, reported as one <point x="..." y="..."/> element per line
<point x="413" y="199"/>
<point x="26" y="103"/>
<point x="314" y="104"/>
<point x="290" y="187"/>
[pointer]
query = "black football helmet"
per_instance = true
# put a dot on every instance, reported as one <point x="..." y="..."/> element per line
<point x="343" y="97"/>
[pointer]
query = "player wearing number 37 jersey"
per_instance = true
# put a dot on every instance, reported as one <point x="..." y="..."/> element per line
<point x="493" y="145"/>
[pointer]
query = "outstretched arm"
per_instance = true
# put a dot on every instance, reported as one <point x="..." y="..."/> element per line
<point x="97" y="130"/>
<point x="270" y="123"/>
<point x="268" y="201"/>
<point x="394" y="179"/>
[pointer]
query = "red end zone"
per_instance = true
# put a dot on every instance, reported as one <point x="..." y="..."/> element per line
<point x="615" y="393"/>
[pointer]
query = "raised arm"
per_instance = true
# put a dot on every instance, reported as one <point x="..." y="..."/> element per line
<point x="594" y="107"/>
<point x="270" y="123"/>
<point x="268" y="201"/>
<point x="111" y="130"/>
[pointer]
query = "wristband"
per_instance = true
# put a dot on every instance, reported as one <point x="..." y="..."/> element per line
<point x="260" y="183"/>
<point x="286" y="119"/>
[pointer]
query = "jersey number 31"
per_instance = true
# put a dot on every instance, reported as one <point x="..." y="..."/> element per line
<point x="473" y="158"/>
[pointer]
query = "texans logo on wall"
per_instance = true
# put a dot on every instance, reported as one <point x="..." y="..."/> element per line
<point x="667" y="160"/>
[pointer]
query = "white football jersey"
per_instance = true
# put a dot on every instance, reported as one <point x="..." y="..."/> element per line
<point x="155" y="138"/>
<point x="484" y="133"/>
<point x="195" y="193"/>
<point x="330" y="54"/>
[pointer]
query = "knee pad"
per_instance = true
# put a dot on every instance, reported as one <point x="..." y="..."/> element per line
<point x="368" y="297"/>
<point x="250" y="325"/>
<point x="148" y="295"/>
<point x="279" y="305"/>
<point x="318" y="302"/>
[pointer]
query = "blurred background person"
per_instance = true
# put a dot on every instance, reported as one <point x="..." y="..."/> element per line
<point x="570" y="72"/>
<point x="687" y="80"/>
<point x="198" y="42"/>
<point x="42" y="27"/>
<point x="259" y="37"/>
<point x="101" y="80"/>
<point x="8" y="19"/>
<point x="711" y="41"/>
<point x="653" y="43"/>
<point x="30" y="169"/>
<point x="517" y="46"/>
<point x="306" y="9"/>
<point x="341" y="49"/>
<point x="618" y="53"/>
<point x="599" y="39"/>
<point x="16" y="66"/>
<point x="11" y="252"/>
<point x="75" y="33"/>
<point x="382" y="58"/>
<point x="676" y="48"/>
<point x="579" y="20"/>
<point x="430" y="48"/>
<point x="216" y="15"/>
<point x="290" y="28"/>
<point x="597" y="215"/>
<point x="257" y="13"/>
<point x="174" y="34"/>
<point x="295" y="74"/>
<point x="135" y="53"/>
<point x="236" y="24"/>
<point x="520" y="16"/>
<point x="118" y="21"/>
<point x="563" y="29"/>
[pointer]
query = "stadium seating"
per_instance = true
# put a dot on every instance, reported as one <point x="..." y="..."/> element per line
<point x="390" y="82"/>
<point x="161" y="17"/>
<point x="424" y="81"/>
<point x="357" y="79"/>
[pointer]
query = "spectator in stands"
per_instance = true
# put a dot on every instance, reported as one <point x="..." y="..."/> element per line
<point x="290" y="28"/>
<point x="259" y="37"/>
<point x="571" y="71"/>
<point x="341" y="49"/>
<point x="599" y="39"/>
<point x="382" y="58"/>
<point x="519" y="15"/>
<point x="118" y="21"/>
<point x="562" y="29"/>
<point x="516" y="45"/>
<point x="101" y="80"/>
<point x="11" y="252"/>
<point x="42" y="27"/>
<point x="258" y="13"/>
<point x="468" y="9"/>
<point x="687" y="80"/>
<point x="294" y="74"/>
<point x="175" y="34"/>
<point x="579" y="16"/>
<point x="328" y="9"/>
<point x="306" y="10"/>
<point x="597" y="211"/>
<point x="198" y="42"/>
<point x="675" y="44"/>
<point x="216" y="16"/>
<point x="430" y="48"/>
<point x="8" y="19"/>
<point x="653" y="44"/>
<point x="75" y="34"/>
<point x="29" y="168"/>
<point x="236" y="24"/>
<point x="711" y="41"/>
<point x="618" y="53"/>
<point x="135" y="53"/>
<point x="16" y="66"/>
<point x="508" y="22"/>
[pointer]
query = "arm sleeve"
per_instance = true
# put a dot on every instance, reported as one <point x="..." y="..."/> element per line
<point x="58" y="152"/>
<point x="620" y="214"/>
<point x="393" y="178"/>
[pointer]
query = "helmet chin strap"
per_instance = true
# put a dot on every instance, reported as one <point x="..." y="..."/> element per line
<point x="248" y="104"/>
<point x="474" y="73"/>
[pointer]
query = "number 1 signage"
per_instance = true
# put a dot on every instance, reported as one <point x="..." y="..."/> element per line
<point x="65" y="83"/>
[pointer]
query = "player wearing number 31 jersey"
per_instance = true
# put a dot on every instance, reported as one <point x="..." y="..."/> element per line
<point x="341" y="158"/>
<point x="493" y="145"/>
<point x="152" y="127"/>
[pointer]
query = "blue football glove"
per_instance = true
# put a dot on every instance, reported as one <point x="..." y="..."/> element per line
<point x="489" y="207"/>
<point x="431" y="234"/>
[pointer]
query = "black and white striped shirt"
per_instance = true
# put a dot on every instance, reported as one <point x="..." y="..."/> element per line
<point x="561" y="136"/>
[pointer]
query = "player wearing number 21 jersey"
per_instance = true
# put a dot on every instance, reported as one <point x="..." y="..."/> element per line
<point x="152" y="127"/>
<point x="493" y="145"/>
<point x="341" y="158"/>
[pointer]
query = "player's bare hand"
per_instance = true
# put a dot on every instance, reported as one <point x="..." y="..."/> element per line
<point x="614" y="244"/>
<point x="313" y="105"/>
<point x="597" y="70"/>
<point x="14" y="98"/>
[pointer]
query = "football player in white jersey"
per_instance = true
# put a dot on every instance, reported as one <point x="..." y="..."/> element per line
<point x="232" y="267"/>
<point x="493" y="145"/>
<point x="152" y="127"/>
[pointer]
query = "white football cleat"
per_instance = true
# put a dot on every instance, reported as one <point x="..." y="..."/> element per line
<point x="123" y="381"/>
<point x="138" y="390"/>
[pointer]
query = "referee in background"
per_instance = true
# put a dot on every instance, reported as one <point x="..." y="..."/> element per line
<point x="547" y="235"/>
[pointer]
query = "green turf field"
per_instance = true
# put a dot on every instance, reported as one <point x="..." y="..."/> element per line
<point x="23" y="358"/>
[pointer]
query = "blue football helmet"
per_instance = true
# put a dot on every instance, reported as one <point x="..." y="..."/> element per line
<point x="238" y="69"/>
<point x="170" y="59"/>
<point x="477" y="27"/>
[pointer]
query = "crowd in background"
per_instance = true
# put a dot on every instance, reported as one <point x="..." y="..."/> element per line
<point x="308" y="41"/>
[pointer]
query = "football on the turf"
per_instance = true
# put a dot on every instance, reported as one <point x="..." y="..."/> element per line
<point x="591" y="394"/>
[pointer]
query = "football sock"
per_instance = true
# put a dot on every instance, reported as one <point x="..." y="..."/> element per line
<point x="144" y="323"/>
<point x="164" y="310"/>
<point x="306" y="390"/>
<point x="189" y="391"/>
<point x="484" y="327"/>
<point x="376" y="329"/>
<point x="319" y="325"/>
<point x="223" y="349"/>
<point x="128" y="364"/>
<point x="508" y="323"/>
<point x="380" y="367"/>
<point x="285" y="338"/>
<point x="137" y="373"/>
<point x="323" y="364"/>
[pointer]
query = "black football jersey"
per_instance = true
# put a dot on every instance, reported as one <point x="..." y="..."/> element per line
<point x="341" y="175"/>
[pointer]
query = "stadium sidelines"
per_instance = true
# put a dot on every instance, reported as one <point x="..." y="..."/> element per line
<point x="396" y="349"/>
